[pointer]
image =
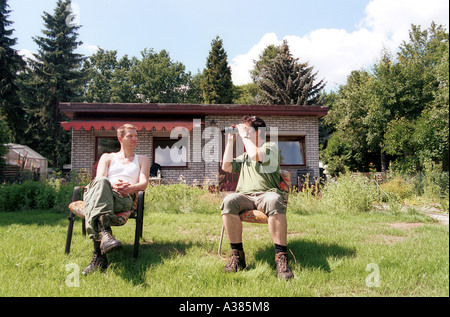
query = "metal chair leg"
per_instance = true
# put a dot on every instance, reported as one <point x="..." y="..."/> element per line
<point x="69" y="232"/>
<point x="220" y="243"/>
<point x="76" y="190"/>
<point x="139" y="224"/>
<point x="136" y="240"/>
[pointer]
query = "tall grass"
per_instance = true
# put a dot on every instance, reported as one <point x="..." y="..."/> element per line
<point x="356" y="193"/>
<point x="181" y="198"/>
<point x="349" y="193"/>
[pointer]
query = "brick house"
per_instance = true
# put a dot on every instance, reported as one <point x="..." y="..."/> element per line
<point x="188" y="139"/>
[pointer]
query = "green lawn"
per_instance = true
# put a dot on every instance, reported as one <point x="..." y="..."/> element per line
<point x="364" y="254"/>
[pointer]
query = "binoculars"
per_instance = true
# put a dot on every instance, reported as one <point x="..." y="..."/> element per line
<point x="231" y="130"/>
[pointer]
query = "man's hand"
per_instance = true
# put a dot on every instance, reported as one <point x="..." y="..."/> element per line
<point x="243" y="130"/>
<point x="123" y="188"/>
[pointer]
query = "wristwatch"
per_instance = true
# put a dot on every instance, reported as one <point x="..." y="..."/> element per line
<point x="246" y="136"/>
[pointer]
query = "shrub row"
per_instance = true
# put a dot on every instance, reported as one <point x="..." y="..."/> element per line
<point x="35" y="195"/>
<point x="348" y="193"/>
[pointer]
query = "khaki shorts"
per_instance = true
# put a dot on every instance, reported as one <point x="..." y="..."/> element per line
<point x="271" y="203"/>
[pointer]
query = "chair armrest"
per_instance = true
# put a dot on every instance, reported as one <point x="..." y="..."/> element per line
<point x="76" y="191"/>
<point x="140" y="204"/>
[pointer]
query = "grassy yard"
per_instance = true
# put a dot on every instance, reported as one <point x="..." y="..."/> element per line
<point x="375" y="253"/>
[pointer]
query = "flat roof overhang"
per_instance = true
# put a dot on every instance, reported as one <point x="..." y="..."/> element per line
<point x="148" y="111"/>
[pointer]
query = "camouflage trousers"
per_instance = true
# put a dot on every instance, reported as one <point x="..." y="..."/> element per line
<point x="101" y="200"/>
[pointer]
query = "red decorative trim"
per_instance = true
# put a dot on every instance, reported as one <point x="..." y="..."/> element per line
<point x="141" y="125"/>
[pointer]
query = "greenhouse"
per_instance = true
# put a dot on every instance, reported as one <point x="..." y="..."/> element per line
<point x="21" y="158"/>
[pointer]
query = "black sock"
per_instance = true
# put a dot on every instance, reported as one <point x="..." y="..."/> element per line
<point x="237" y="246"/>
<point x="280" y="248"/>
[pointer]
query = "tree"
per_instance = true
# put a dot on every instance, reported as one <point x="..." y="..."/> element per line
<point x="419" y="130"/>
<point x="398" y="112"/>
<point x="4" y="139"/>
<point x="286" y="81"/>
<point x="100" y="69"/>
<point x="156" y="78"/>
<point x="217" y="85"/>
<point x="10" y="64"/>
<point x="56" y="76"/>
<point x="266" y="57"/>
<point x="121" y="84"/>
<point x="347" y="148"/>
<point x="245" y="94"/>
<point x="194" y="92"/>
<point x="383" y="104"/>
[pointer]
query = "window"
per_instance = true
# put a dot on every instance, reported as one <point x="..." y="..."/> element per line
<point x="292" y="150"/>
<point x="169" y="152"/>
<point x="106" y="145"/>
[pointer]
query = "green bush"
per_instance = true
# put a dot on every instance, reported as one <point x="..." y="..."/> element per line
<point x="349" y="193"/>
<point x="34" y="195"/>
<point x="397" y="189"/>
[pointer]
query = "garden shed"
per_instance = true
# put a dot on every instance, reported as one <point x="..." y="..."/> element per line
<point x="187" y="140"/>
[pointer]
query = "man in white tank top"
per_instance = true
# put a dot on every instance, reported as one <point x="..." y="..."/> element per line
<point x="120" y="176"/>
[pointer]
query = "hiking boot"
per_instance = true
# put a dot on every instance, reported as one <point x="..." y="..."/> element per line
<point x="99" y="261"/>
<point x="108" y="243"/>
<point x="237" y="261"/>
<point x="283" y="269"/>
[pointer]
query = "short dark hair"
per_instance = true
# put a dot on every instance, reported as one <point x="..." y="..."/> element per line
<point x="255" y="122"/>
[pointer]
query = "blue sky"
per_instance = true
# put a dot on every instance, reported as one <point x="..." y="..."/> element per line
<point x="334" y="36"/>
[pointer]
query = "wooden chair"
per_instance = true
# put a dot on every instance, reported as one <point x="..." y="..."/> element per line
<point x="77" y="209"/>
<point x="257" y="216"/>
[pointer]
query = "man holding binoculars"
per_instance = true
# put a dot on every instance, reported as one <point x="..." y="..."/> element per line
<point x="257" y="188"/>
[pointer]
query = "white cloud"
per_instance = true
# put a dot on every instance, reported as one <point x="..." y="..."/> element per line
<point x="26" y="54"/>
<point x="394" y="17"/>
<point x="334" y="53"/>
<point x="88" y="49"/>
<point x="242" y="64"/>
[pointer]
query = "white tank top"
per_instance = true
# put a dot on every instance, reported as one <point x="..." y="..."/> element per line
<point x="125" y="172"/>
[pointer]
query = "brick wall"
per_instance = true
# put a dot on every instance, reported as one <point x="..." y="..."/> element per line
<point x="199" y="170"/>
<point x="286" y="125"/>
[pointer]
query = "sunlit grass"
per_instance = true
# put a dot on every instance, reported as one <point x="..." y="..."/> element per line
<point x="178" y="257"/>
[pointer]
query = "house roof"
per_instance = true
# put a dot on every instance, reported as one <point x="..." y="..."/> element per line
<point x="144" y="111"/>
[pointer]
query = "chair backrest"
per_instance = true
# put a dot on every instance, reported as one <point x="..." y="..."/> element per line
<point x="94" y="170"/>
<point x="285" y="183"/>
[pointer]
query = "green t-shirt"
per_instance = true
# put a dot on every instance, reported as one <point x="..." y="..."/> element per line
<point x="259" y="176"/>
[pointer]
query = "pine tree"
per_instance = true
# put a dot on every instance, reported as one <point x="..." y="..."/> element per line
<point x="285" y="81"/>
<point x="10" y="64"/>
<point x="216" y="84"/>
<point x="58" y="78"/>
